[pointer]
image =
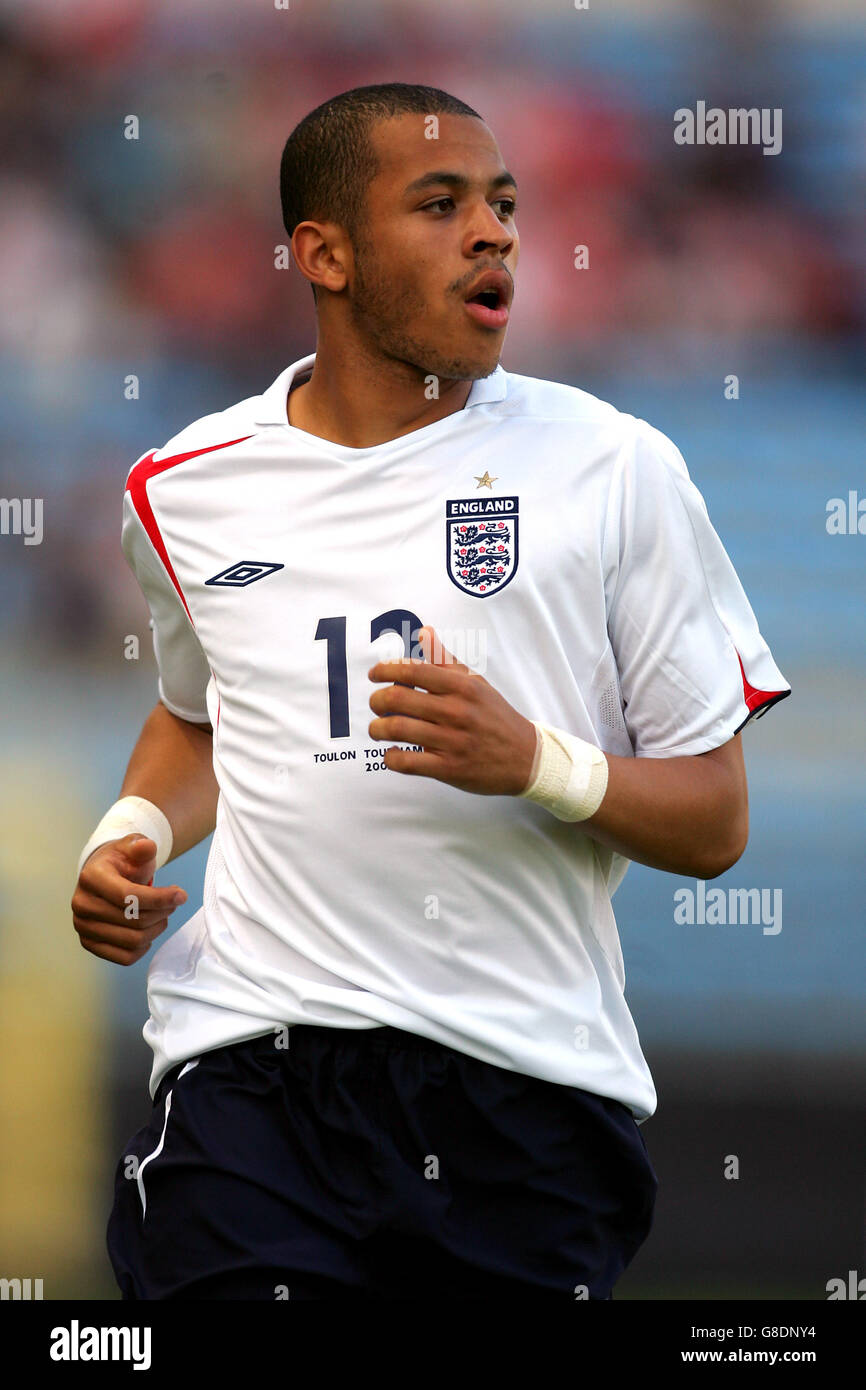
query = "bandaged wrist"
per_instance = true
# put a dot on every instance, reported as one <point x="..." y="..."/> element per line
<point x="569" y="776"/>
<point x="126" y="816"/>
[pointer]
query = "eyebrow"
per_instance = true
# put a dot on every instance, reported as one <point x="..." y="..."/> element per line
<point x="439" y="176"/>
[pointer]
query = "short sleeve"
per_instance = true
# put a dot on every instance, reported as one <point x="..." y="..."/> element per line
<point x="183" y="668"/>
<point x="693" y="666"/>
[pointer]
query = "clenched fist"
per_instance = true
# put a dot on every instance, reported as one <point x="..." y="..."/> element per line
<point x="115" y="909"/>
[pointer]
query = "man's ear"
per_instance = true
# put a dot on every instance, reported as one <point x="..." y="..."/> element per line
<point x="322" y="253"/>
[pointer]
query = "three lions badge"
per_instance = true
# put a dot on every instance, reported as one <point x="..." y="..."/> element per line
<point x="481" y="543"/>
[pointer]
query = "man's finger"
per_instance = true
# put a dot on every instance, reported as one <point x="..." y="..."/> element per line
<point x="91" y="907"/>
<point x="397" y="728"/>
<point x="103" y="880"/>
<point x="134" y="850"/>
<point x="414" y="764"/>
<point x="123" y="938"/>
<point x="114" y="888"/>
<point x="421" y="673"/>
<point x="398" y="699"/>
<point x="436" y="652"/>
<point x="131" y="859"/>
<point x="137" y="855"/>
<point x="116" y="954"/>
<point x="135" y="844"/>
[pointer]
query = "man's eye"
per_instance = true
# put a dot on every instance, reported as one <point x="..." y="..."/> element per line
<point x="510" y="205"/>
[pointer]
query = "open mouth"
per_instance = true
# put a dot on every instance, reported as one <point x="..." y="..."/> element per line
<point x="488" y="307"/>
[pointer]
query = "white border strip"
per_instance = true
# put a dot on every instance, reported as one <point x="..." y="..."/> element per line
<point x="158" y="1150"/>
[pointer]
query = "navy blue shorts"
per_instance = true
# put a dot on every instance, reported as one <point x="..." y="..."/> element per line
<point x="375" y="1164"/>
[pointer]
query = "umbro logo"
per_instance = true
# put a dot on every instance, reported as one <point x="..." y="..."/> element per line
<point x="245" y="572"/>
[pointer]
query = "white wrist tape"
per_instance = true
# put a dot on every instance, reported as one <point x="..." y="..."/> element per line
<point x="569" y="776"/>
<point x="130" y="814"/>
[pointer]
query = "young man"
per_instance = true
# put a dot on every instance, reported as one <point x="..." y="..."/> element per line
<point x="392" y="1054"/>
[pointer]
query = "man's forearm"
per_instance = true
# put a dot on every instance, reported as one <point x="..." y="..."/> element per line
<point x="684" y="815"/>
<point x="172" y="766"/>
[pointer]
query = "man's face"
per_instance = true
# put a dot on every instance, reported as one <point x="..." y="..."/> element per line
<point x="425" y="242"/>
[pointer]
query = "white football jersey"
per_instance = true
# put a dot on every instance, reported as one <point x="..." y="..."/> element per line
<point x="555" y="544"/>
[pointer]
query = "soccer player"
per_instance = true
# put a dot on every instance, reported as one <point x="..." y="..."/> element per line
<point x="392" y="1052"/>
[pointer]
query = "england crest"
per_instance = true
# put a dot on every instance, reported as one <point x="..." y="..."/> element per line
<point x="481" y="544"/>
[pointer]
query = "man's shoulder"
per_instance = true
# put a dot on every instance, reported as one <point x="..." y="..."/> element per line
<point x="536" y="397"/>
<point x="530" y="397"/>
<point x="220" y="428"/>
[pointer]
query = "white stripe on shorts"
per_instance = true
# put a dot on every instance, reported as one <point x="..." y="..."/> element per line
<point x="158" y="1150"/>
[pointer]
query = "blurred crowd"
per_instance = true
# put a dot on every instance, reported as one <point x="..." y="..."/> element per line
<point x="154" y="257"/>
<point x="138" y="291"/>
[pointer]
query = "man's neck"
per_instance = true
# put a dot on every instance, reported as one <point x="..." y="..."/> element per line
<point x="358" y="404"/>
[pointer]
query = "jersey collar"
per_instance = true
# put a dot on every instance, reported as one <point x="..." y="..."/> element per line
<point x="272" y="403"/>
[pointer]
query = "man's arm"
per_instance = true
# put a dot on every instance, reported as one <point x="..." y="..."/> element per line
<point x="685" y="815"/>
<point x="688" y="815"/>
<point x="172" y="767"/>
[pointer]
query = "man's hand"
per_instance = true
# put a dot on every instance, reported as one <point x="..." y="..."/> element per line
<point x="472" y="738"/>
<point x="115" y="910"/>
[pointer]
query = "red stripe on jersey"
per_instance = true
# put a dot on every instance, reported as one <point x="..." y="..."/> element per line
<point x="753" y="697"/>
<point x="136" y="486"/>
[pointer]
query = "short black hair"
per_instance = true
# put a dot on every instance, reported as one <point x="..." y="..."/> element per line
<point x="329" y="161"/>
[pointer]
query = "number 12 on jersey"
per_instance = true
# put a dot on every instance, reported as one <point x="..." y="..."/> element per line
<point x="333" y="631"/>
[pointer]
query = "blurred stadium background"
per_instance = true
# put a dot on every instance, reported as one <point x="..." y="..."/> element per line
<point x="154" y="257"/>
